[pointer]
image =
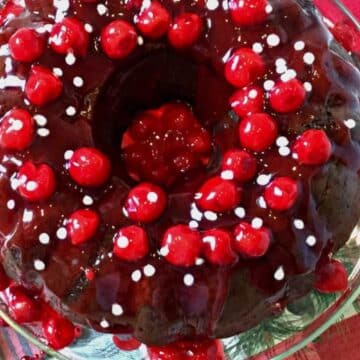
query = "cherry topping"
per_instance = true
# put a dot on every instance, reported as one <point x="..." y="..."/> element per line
<point x="145" y="203"/>
<point x="281" y="194"/>
<point x="42" y="86"/>
<point x="118" y="39"/>
<point x="16" y="130"/>
<point x="287" y="96"/>
<point x="126" y="344"/>
<point x="22" y="308"/>
<point x="69" y="35"/>
<point x="82" y="225"/>
<point x="258" y="131"/>
<point x="240" y="163"/>
<point x="248" y="12"/>
<point x="89" y="167"/>
<point x="37" y="182"/>
<point x="131" y="243"/>
<point x="185" y="30"/>
<point x="181" y="245"/>
<point x="153" y="20"/>
<point x="244" y="67"/>
<point x="217" y="247"/>
<point x="248" y="100"/>
<point x="313" y="147"/>
<point x="4" y="280"/>
<point x="58" y="331"/>
<point x="331" y="276"/>
<point x="219" y="195"/>
<point x="8" y="9"/>
<point x="251" y="242"/>
<point x="26" y="45"/>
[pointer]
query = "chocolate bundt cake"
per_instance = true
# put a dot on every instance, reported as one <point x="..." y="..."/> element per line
<point x="175" y="170"/>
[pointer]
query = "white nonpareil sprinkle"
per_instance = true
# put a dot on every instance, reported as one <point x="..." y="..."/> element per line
<point x="284" y="151"/>
<point x="43" y="132"/>
<point x="288" y="75"/>
<point x="309" y="58"/>
<point x="240" y="212"/>
<point x="149" y="270"/>
<point x="212" y="4"/>
<point x="350" y="123"/>
<point x="189" y="280"/>
<point x="227" y="174"/>
<point x="280" y="62"/>
<point x="104" y="324"/>
<point x="307" y="86"/>
<point x="140" y="40"/>
<point x="299" y="224"/>
<point x="70" y="59"/>
<point x="88" y="28"/>
<point x="70" y="111"/>
<point x="261" y="202"/>
<point x="299" y="46"/>
<point x="268" y="9"/>
<point x="193" y="224"/>
<point x="39" y="265"/>
<point x="279" y="274"/>
<point x="40" y="120"/>
<point x="269" y="84"/>
<point x="273" y="40"/>
<point x="61" y="233"/>
<point x="195" y="213"/>
<point x="164" y="251"/>
<point x="44" y="238"/>
<point x="57" y="71"/>
<point x="210" y="215"/>
<point x="199" y="261"/>
<point x="117" y="310"/>
<point x="68" y="154"/>
<point x="78" y="81"/>
<point x="101" y="9"/>
<point x="122" y="242"/>
<point x="136" y="276"/>
<point x="253" y="94"/>
<point x="257" y="48"/>
<point x="311" y="240"/>
<point x="10" y="204"/>
<point x="282" y="141"/>
<point x="263" y="179"/>
<point x="257" y="223"/>
<point x="87" y="200"/>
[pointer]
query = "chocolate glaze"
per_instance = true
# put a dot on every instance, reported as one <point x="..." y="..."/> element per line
<point x="223" y="300"/>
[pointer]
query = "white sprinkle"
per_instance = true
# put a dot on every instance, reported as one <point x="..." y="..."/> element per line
<point x="58" y="72"/>
<point x="299" y="45"/>
<point x="309" y="58"/>
<point x="152" y="197"/>
<point x="261" y="202"/>
<point x="43" y="132"/>
<point x="281" y="69"/>
<point x="257" y="48"/>
<point x="280" y="62"/>
<point x="311" y="240"/>
<point x="273" y="40"/>
<point x="263" y="179"/>
<point x="27" y="216"/>
<point x="10" y="204"/>
<point x="227" y="175"/>
<point x="193" y="224"/>
<point x="350" y="123"/>
<point x="136" y="276"/>
<point x="87" y="200"/>
<point x="195" y="213"/>
<point x="299" y="224"/>
<point x="88" y="28"/>
<point x="61" y="233"/>
<point x="288" y="75"/>
<point x="78" y="81"/>
<point x="268" y="9"/>
<point x="140" y="40"/>
<point x="269" y="84"/>
<point x="279" y="274"/>
<point x="253" y="94"/>
<point x="212" y="4"/>
<point x="70" y="111"/>
<point x="164" y="251"/>
<point x="39" y="265"/>
<point x="240" y="212"/>
<point x="104" y="324"/>
<point x="257" y="223"/>
<point x="149" y="270"/>
<point x="40" y="120"/>
<point x="199" y="261"/>
<point x="189" y="280"/>
<point x="210" y="215"/>
<point x="122" y="242"/>
<point x="31" y="185"/>
<point x="68" y="154"/>
<point x="282" y="141"/>
<point x="101" y="9"/>
<point x="284" y="151"/>
<point x="117" y="310"/>
<point x="70" y="59"/>
<point x="307" y="86"/>
<point x="44" y="238"/>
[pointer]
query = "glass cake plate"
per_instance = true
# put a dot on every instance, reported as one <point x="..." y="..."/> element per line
<point x="275" y="338"/>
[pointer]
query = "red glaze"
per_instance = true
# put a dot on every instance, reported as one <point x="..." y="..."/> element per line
<point x="82" y="226"/>
<point x="181" y="245"/>
<point x="282" y="193"/>
<point x="251" y="242"/>
<point x="131" y="243"/>
<point x="36" y="181"/>
<point x="240" y="163"/>
<point x="313" y="147"/>
<point x="16" y="130"/>
<point x="26" y="45"/>
<point x="247" y="101"/>
<point x="69" y="35"/>
<point x="248" y="12"/>
<point x="331" y="276"/>
<point x="118" y="39"/>
<point x="89" y="167"/>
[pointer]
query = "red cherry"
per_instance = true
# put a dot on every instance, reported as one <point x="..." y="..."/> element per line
<point x="69" y="36"/>
<point x="37" y="182"/>
<point x="248" y="12"/>
<point x="313" y="147"/>
<point x="82" y="225"/>
<point x="240" y="163"/>
<point x="16" y="130"/>
<point x="58" y="331"/>
<point x="131" y="243"/>
<point x="9" y="9"/>
<point x="251" y="242"/>
<point x="4" y="279"/>
<point x="258" y="131"/>
<point x="126" y="344"/>
<point x="244" y="67"/>
<point x="118" y="39"/>
<point x="22" y="308"/>
<point x="331" y="276"/>
<point x="26" y="45"/>
<point x="181" y="245"/>
<point x="145" y="203"/>
<point x="219" y="195"/>
<point x="153" y="20"/>
<point x="248" y="100"/>
<point x="217" y="247"/>
<point x="287" y="96"/>
<point x="281" y="194"/>
<point x="42" y="86"/>
<point x="185" y="30"/>
<point x="89" y="167"/>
